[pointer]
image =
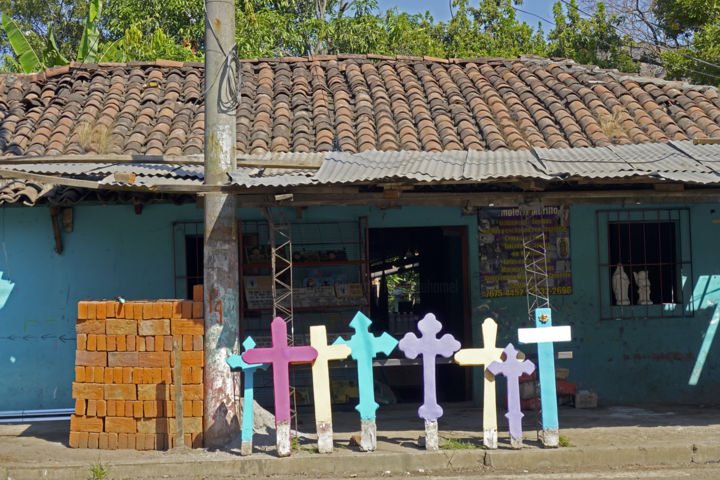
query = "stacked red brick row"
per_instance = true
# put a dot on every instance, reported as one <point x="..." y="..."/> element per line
<point x="124" y="390"/>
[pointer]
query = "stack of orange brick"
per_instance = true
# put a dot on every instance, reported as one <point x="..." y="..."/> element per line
<point x="124" y="390"/>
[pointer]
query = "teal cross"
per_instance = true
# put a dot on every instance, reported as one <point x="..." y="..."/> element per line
<point x="365" y="346"/>
<point x="235" y="362"/>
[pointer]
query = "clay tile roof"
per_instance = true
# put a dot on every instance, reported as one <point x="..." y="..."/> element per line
<point x="351" y="103"/>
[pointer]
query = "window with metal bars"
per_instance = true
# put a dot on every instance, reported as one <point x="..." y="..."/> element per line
<point x="644" y="260"/>
<point x="188" y="257"/>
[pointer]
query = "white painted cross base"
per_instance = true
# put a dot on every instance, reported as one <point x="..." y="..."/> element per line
<point x="325" y="437"/>
<point x="283" y="439"/>
<point x="516" y="442"/>
<point x="551" y="438"/>
<point x="431" y="435"/>
<point x="246" y="448"/>
<point x="368" y="436"/>
<point x="490" y="438"/>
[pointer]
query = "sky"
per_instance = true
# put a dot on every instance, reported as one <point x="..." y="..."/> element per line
<point x="440" y="9"/>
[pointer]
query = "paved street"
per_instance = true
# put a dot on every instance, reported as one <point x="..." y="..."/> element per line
<point x="696" y="472"/>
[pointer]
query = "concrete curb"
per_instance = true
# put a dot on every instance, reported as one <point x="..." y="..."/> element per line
<point x="372" y="464"/>
<point x="706" y="453"/>
<point x="591" y="457"/>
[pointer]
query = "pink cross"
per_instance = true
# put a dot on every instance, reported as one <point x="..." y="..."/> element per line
<point x="280" y="355"/>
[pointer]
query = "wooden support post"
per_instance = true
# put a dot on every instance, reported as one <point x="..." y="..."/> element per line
<point x="54" y="215"/>
<point x="179" y="406"/>
<point x="220" y="247"/>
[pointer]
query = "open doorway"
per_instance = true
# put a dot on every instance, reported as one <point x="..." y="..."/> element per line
<point x="415" y="271"/>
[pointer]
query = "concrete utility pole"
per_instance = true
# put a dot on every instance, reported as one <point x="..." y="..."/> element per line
<point x="220" y="413"/>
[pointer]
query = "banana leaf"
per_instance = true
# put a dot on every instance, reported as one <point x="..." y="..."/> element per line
<point x="91" y="34"/>
<point x="113" y="52"/>
<point x="52" y="55"/>
<point x="28" y="59"/>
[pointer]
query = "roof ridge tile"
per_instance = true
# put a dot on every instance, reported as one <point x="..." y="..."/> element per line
<point x="321" y="58"/>
<point x="55" y="71"/>
<point x="352" y="56"/>
<point x="435" y="59"/>
<point x="372" y="56"/>
<point x="161" y="62"/>
<point x="409" y="58"/>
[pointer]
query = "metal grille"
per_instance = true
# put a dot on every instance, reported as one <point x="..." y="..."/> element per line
<point x="537" y="292"/>
<point x="187" y="257"/>
<point x="644" y="263"/>
<point x="281" y="262"/>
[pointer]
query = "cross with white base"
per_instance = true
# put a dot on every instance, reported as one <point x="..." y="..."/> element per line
<point x="544" y="335"/>
<point x="235" y="362"/>
<point x="485" y="356"/>
<point x="321" y="384"/>
<point x="281" y="355"/>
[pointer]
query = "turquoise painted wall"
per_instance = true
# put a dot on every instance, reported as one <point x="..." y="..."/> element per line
<point x="111" y="251"/>
<point x="629" y="360"/>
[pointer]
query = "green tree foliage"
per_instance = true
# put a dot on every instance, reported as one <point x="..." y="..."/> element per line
<point x="683" y="18"/>
<point x="299" y="27"/>
<point x="174" y="29"/>
<point x="490" y="29"/>
<point x="29" y="61"/>
<point x="34" y="17"/>
<point x="136" y="45"/>
<point x="594" y="40"/>
<point x="132" y="44"/>
<point x="87" y="52"/>
<point x="181" y="20"/>
<point x="694" y="27"/>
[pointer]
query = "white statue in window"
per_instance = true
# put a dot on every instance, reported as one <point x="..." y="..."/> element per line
<point x="643" y="286"/>
<point x="620" y="286"/>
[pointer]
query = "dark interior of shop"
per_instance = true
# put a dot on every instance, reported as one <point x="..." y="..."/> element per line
<point x="416" y="271"/>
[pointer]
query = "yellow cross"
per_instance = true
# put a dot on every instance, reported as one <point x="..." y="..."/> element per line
<point x="320" y="374"/>
<point x="485" y="356"/>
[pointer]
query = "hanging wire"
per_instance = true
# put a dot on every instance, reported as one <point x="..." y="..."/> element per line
<point x="229" y="94"/>
<point x="659" y="60"/>
<point x="689" y="57"/>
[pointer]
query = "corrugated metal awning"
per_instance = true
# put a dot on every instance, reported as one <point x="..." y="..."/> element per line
<point x="681" y="162"/>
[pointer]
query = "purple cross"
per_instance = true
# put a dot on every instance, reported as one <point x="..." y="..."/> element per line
<point x="280" y="355"/>
<point x="429" y="346"/>
<point x="512" y="368"/>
